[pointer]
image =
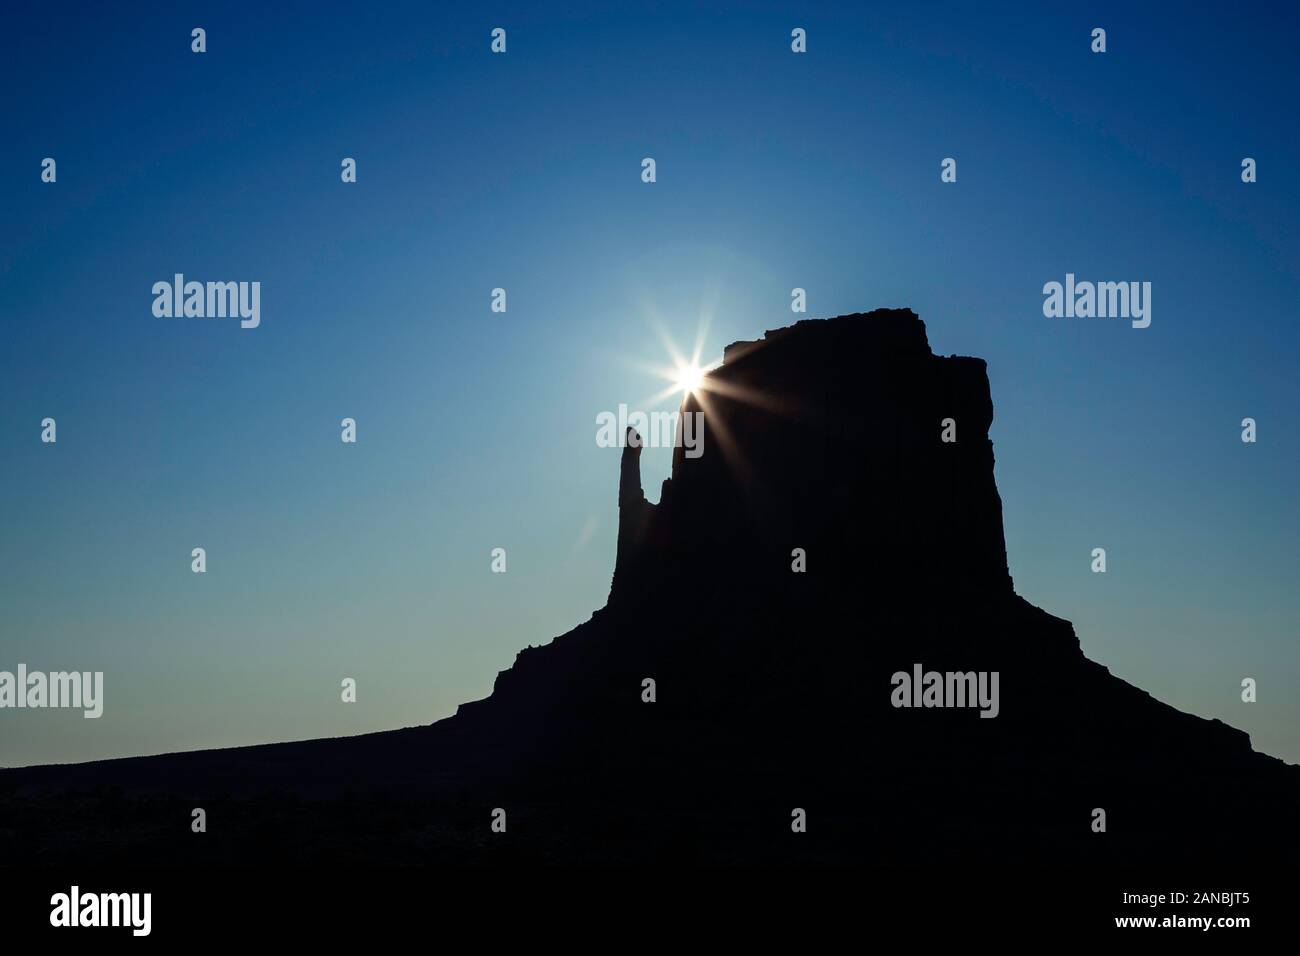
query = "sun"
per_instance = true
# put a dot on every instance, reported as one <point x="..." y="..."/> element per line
<point x="685" y="374"/>
<point x="689" y="377"/>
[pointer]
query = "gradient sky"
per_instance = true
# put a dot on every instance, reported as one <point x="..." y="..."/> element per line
<point x="477" y="430"/>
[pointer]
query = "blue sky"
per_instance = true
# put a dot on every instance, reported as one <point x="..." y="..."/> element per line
<point x="476" y="429"/>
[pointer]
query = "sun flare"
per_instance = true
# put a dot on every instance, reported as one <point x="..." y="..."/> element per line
<point x="689" y="377"/>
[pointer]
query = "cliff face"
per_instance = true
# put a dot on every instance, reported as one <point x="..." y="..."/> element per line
<point x="829" y="436"/>
<point x="826" y="540"/>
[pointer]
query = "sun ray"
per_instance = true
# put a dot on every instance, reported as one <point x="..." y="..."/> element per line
<point x="752" y="396"/>
<point x="716" y="423"/>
